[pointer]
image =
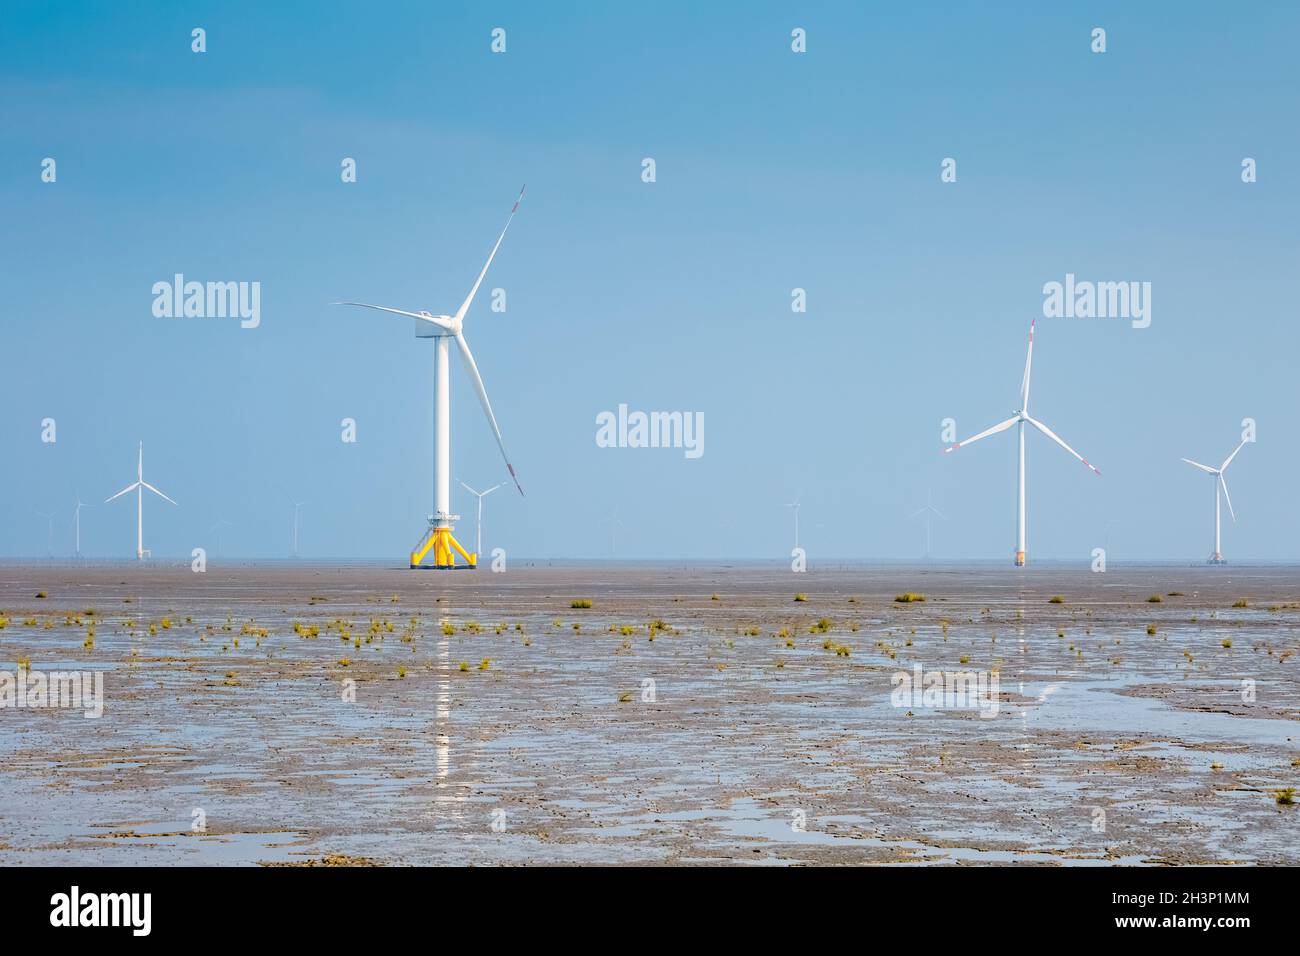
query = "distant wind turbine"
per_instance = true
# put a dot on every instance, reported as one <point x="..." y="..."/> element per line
<point x="221" y="523"/>
<point x="478" y="530"/>
<point x="297" y="506"/>
<point x="1216" y="557"/>
<point x="76" y="524"/>
<point x="930" y="511"/>
<point x="49" y="542"/>
<point x="1109" y="522"/>
<point x="614" y="524"/>
<point x="1020" y="419"/>
<point x="795" y="505"/>
<point x="138" y="487"/>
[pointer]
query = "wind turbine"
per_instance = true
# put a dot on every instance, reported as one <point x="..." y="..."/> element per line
<point x="297" y="506"/>
<point x="138" y="487"/>
<point x="795" y="505"/>
<point x="438" y="537"/>
<point x="223" y="523"/>
<point x="49" y="542"/>
<point x="614" y="524"/>
<point x="76" y="524"/>
<point x="1109" y="522"/>
<point x="929" y="511"/>
<point x="1020" y="419"/>
<point x="1217" y="556"/>
<point x="478" y="530"/>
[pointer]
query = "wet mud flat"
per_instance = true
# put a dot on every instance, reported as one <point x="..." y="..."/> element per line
<point x="325" y="715"/>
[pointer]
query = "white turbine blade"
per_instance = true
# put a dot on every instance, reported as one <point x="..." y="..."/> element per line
<point x="157" y="492"/>
<point x="490" y="490"/>
<point x="130" y="487"/>
<point x="999" y="427"/>
<point x="468" y="488"/>
<point x="1057" y="438"/>
<point x="916" y="514"/>
<point x="433" y="319"/>
<point x="472" y="367"/>
<point x="1029" y="359"/>
<point x="1224" y="466"/>
<point x="464" y="306"/>
<point x="937" y="511"/>
<point x="1223" y="481"/>
<point x="1197" y="464"/>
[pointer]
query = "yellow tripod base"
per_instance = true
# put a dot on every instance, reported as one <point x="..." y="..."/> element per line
<point x="445" y="547"/>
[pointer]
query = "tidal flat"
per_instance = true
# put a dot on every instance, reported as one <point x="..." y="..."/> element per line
<point x="292" y="714"/>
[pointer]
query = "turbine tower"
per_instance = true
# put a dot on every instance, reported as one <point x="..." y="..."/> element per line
<point x="929" y="511"/>
<point x="1216" y="556"/>
<point x="138" y="487"/>
<point x="438" y="538"/>
<point x="1020" y="419"/>
<point x="478" y="528"/>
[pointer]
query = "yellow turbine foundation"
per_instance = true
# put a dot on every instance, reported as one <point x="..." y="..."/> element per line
<point x="445" y="547"/>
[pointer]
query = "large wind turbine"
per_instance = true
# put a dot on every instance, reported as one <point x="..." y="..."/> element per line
<point x="478" y="528"/>
<point x="138" y="487"/>
<point x="1216" y="557"/>
<point x="438" y="537"/>
<point x="1020" y="419"/>
<point x="929" y="511"/>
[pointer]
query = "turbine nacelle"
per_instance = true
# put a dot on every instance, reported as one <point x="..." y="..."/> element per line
<point x="430" y="326"/>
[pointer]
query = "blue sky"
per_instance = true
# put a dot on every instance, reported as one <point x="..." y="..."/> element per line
<point x="774" y="171"/>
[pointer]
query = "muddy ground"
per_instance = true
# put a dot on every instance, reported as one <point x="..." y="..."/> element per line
<point x="480" y="718"/>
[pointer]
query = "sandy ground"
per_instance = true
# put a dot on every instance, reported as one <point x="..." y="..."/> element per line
<point x="743" y="731"/>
